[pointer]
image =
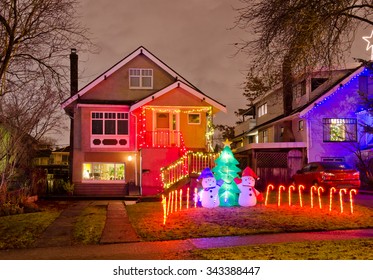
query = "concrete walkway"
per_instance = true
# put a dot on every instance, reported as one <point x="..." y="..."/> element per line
<point x="118" y="228"/>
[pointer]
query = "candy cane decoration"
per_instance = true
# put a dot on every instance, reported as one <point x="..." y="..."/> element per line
<point x="319" y="190"/>
<point x="195" y="197"/>
<point x="187" y="205"/>
<point x="291" y="188"/>
<point x="340" y="198"/>
<point x="279" y="194"/>
<point x="181" y="198"/>
<point x="269" y="188"/>
<point x="311" y="193"/>
<point x="175" y="191"/>
<point x="168" y="204"/>
<point x="172" y="202"/>
<point x="352" y="191"/>
<point x="300" y="189"/>
<point x="164" y="202"/>
<point x="332" y="190"/>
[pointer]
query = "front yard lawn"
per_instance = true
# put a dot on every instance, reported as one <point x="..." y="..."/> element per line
<point x="20" y="231"/>
<point x="147" y="219"/>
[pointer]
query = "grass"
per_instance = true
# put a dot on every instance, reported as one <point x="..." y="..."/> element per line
<point x="90" y="225"/>
<point x="355" y="249"/>
<point x="20" y="231"/>
<point x="147" y="219"/>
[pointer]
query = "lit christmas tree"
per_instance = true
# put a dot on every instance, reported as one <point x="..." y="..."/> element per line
<point x="225" y="171"/>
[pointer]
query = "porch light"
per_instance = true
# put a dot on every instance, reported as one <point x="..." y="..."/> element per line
<point x="129" y="158"/>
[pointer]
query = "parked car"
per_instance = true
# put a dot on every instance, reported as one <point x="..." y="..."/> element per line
<point x="327" y="175"/>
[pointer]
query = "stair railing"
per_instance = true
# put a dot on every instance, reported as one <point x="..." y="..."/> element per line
<point x="190" y="163"/>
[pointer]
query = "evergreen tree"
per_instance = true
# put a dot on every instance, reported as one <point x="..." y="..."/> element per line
<point x="225" y="171"/>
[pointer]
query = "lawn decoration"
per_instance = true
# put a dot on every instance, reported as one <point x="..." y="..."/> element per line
<point x="291" y="188"/>
<point x="249" y="195"/>
<point x="280" y="189"/>
<point x="341" y="191"/>
<point x="352" y="191"/>
<point x="313" y="190"/>
<point x="269" y="188"/>
<point x="331" y="191"/>
<point x="209" y="195"/>
<point x="319" y="190"/>
<point x="226" y="170"/>
<point x="300" y="189"/>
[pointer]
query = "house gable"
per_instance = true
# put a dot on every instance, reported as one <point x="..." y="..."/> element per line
<point x="141" y="57"/>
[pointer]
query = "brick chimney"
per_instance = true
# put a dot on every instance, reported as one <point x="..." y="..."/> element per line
<point x="73" y="72"/>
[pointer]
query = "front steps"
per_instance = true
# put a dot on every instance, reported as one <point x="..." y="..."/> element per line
<point x="105" y="190"/>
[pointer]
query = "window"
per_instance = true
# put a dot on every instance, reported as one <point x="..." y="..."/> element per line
<point x="140" y="78"/>
<point x="109" y="123"/>
<point x="300" y="89"/>
<point x="194" y="118"/>
<point x="262" y="110"/>
<point x="300" y="125"/>
<point x="339" y="130"/>
<point x="316" y="82"/>
<point x="103" y="171"/>
<point x="265" y="136"/>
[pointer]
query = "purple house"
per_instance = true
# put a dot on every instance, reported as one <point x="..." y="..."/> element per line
<point x="326" y="124"/>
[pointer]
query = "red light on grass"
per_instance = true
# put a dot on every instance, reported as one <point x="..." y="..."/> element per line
<point x="300" y="189"/>
<point x="281" y="188"/>
<point x="291" y="188"/>
<point x="352" y="191"/>
<point x="332" y="190"/>
<point x="341" y="191"/>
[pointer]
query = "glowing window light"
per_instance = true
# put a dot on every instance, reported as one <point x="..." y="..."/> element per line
<point x="187" y="202"/>
<point x="319" y="190"/>
<point x="313" y="188"/>
<point x="269" y="188"/>
<point x="281" y="188"/>
<point x="332" y="190"/>
<point x="195" y="197"/>
<point x="352" y="191"/>
<point x="300" y="189"/>
<point x="164" y="202"/>
<point x="291" y="188"/>
<point x="341" y="191"/>
<point x="181" y="198"/>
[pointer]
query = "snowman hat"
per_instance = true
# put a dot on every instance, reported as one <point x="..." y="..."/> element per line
<point x="248" y="172"/>
<point x="206" y="173"/>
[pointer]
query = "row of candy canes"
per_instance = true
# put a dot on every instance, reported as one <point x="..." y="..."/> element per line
<point x="174" y="202"/>
<point x="313" y="190"/>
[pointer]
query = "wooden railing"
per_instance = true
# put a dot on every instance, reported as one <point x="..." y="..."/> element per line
<point x="190" y="163"/>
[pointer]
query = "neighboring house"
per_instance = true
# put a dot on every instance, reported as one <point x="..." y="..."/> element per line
<point x="325" y="125"/>
<point x="132" y="120"/>
<point x="54" y="162"/>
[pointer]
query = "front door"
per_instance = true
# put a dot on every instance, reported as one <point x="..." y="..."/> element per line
<point x="166" y="131"/>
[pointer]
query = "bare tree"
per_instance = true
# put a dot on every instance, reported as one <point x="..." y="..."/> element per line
<point x="36" y="38"/>
<point x="299" y="35"/>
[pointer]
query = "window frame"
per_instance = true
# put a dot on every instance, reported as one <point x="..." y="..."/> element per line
<point x="198" y="120"/>
<point x="141" y="75"/>
<point x="348" y="126"/>
<point x="262" y="110"/>
<point x="105" y="117"/>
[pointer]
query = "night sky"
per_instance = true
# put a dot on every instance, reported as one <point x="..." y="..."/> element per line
<point x="195" y="38"/>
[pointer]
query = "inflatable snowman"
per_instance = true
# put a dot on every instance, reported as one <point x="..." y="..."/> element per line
<point x="248" y="195"/>
<point x="209" y="196"/>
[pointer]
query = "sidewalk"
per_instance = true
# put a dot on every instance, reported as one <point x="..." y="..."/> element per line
<point x="159" y="250"/>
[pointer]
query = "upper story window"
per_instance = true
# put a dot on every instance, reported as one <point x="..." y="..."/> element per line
<point x="340" y="130"/>
<point x="262" y="110"/>
<point x="140" y="78"/>
<point x="109" y="123"/>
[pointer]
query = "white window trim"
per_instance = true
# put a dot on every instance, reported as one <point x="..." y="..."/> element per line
<point x="115" y="136"/>
<point x="199" y="119"/>
<point x="262" y="110"/>
<point x="140" y="78"/>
